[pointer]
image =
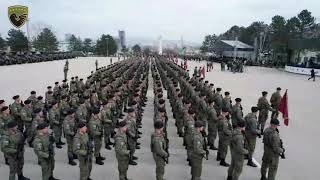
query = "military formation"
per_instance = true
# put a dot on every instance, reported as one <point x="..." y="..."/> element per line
<point x="106" y="111"/>
<point x="31" y="57"/>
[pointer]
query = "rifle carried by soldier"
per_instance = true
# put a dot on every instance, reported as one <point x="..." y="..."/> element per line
<point x="282" y="155"/>
<point x="90" y="149"/>
<point x="205" y="144"/>
<point x="51" y="148"/>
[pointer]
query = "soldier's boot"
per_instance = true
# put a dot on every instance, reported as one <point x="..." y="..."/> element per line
<point x="110" y="143"/>
<point x="74" y="156"/>
<point x="6" y="161"/>
<point x="134" y="158"/>
<point x="107" y="146"/>
<point x="139" y="132"/>
<point x="58" y="146"/>
<point x="61" y="143"/>
<point x="137" y="147"/>
<point x="99" y="161"/>
<point x="212" y="147"/>
<point x="53" y="178"/>
<point x="263" y="178"/>
<point x="21" y="177"/>
<point x="138" y="143"/>
<point x="229" y="178"/>
<point x="132" y="162"/>
<point x="251" y="163"/>
<point x="218" y="157"/>
<point x="224" y="163"/>
<point x="89" y="178"/>
<point x="101" y="157"/>
<point x="71" y="162"/>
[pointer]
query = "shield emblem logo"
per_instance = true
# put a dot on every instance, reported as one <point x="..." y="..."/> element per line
<point x="18" y="15"/>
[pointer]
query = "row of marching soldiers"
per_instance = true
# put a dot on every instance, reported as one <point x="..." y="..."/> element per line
<point x="68" y="109"/>
<point x="199" y="108"/>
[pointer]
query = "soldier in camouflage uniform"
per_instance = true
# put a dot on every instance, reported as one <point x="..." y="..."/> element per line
<point x="121" y="149"/>
<point x="225" y="133"/>
<point x="44" y="149"/>
<point x="26" y="116"/>
<point x="56" y="123"/>
<point x="189" y="130"/>
<point x="38" y="119"/>
<point x="12" y="145"/>
<point x="56" y="91"/>
<point x="236" y="113"/>
<point x="227" y="102"/>
<point x="106" y="118"/>
<point x="264" y="108"/>
<point x="33" y="97"/>
<point x="95" y="134"/>
<point x="251" y="133"/>
<point x="65" y="70"/>
<point x="275" y="102"/>
<point x="83" y="148"/>
<point x="132" y="135"/>
<point x="82" y="112"/>
<point x="237" y="152"/>
<point x="272" y="150"/>
<point x="198" y="152"/>
<point x="15" y="109"/>
<point x="212" y="124"/>
<point x="158" y="149"/>
<point x="218" y="100"/>
<point x="69" y="128"/>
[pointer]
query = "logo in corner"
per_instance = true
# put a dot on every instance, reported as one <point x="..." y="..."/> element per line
<point x="18" y="15"/>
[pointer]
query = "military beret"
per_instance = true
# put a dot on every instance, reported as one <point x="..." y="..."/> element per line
<point x="122" y="124"/>
<point x="56" y="83"/>
<point x="241" y="123"/>
<point x="39" y="97"/>
<point x="94" y="91"/>
<point x="198" y="124"/>
<point x="161" y="109"/>
<point x="130" y="110"/>
<point x="12" y="124"/>
<point x="191" y="111"/>
<point x="225" y="109"/>
<point x="50" y="92"/>
<point x="49" y="87"/>
<point x="86" y="97"/>
<point x="136" y="95"/>
<point x="177" y="89"/>
<point x="38" y="110"/>
<point x="275" y="122"/>
<point x="64" y="81"/>
<point x="32" y="92"/>
<point x="278" y="88"/>
<point x="219" y="89"/>
<point x="96" y="111"/>
<point x="206" y="82"/>
<point x="201" y="79"/>
<point x="211" y="84"/>
<point x="4" y="108"/>
<point x="81" y="125"/>
<point x="77" y="77"/>
<point x="158" y="124"/>
<point x="81" y="79"/>
<point x="72" y="77"/>
<point x="160" y="95"/>
<point x="133" y="103"/>
<point x="28" y="101"/>
<point x="179" y="95"/>
<point x="226" y="93"/>
<point x="42" y="126"/>
<point x="71" y="111"/>
<point x="103" y="102"/>
<point x="2" y="101"/>
<point x="254" y="109"/>
<point x="161" y="101"/>
<point x="264" y="93"/>
<point x="238" y="99"/>
<point x="15" y="97"/>
<point x="54" y="102"/>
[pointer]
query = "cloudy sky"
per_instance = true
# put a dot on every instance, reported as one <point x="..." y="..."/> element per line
<point x="171" y="19"/>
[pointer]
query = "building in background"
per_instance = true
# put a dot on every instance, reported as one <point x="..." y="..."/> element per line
<point x="227" y="48"/>
<point x="122" y="38"/>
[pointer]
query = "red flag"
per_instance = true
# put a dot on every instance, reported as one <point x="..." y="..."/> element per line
<point x="283" y="108"/>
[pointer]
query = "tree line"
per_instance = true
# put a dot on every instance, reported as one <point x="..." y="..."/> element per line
<point x="46" y="41"/>
<point x="274" y="37"/>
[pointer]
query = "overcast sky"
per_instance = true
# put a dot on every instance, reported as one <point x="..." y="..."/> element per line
<point x="171" y="19"/>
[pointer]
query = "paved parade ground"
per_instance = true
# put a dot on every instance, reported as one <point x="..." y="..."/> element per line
<point x="300" y="137"/>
